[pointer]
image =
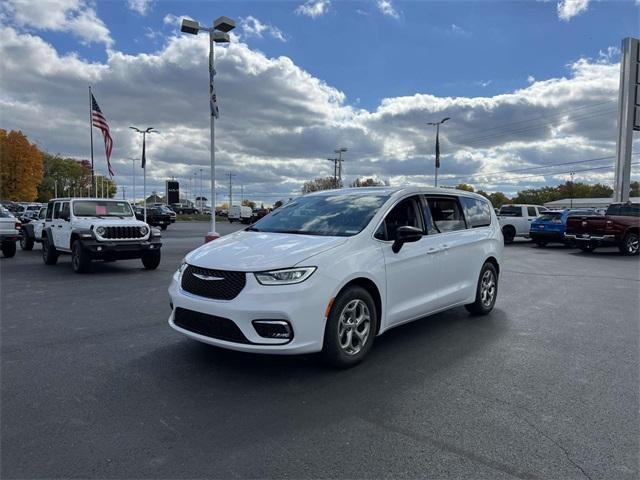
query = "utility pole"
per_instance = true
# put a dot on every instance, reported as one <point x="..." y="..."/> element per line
<point x="340" y="151"/>
<point x="572" y="174"/>
<point x="230" y="175"/>
<point x="437" y="165"/>
<point x="123" y="192"/>
<point x="205" y="204"/>
<point x="335" y="171"/>
<point x="241" y="194"/>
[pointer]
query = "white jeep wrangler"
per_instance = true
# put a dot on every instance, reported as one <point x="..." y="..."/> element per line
<point x="97" y="229"/>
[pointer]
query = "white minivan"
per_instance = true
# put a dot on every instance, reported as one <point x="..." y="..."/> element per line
<point x="331" y="270"/>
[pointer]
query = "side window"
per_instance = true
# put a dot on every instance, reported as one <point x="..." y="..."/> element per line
<point x="531" y="211"/>
<point x="477" y="212"/>
<point x="65" y="209"/>
<point x="446" y="213"/>
<point x="56" y="210"/>
<point x="42" y="214"/>
<point x="630" y="210"/>
<point x="49" y="214"/>
<point x="542" y="209"/>
<point x="405" y="213"/>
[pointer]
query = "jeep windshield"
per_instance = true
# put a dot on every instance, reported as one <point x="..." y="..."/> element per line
<point x="327" y="215"/>
<point x="101" y="208"/>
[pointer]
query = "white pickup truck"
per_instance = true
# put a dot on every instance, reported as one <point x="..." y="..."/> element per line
<point x="515" y="220"/>
<point x="9" y="232"/>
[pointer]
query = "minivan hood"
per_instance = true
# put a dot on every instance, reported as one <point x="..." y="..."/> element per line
<point x="259" y="251"/>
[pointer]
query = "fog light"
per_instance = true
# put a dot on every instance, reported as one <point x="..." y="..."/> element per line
<point x="99" y="249"/>
<point x="273" y="329"/>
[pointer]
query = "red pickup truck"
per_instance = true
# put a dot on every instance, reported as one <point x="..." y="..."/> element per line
<point x="619" y="226"/>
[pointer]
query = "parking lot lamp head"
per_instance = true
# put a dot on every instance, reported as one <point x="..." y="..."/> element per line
<point x="189" y="26"/>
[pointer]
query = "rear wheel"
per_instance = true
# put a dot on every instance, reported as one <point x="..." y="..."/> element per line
<point x="509" y="234"/>
<point x="486" y="291"/>
<point x="9" y="249"/>
<point x="49" y="252"/>
<point x="630" y="245"/>
<point x="151" y="260"/>
<point x="26" y="243"/>
<point x="80" y="259"/>
<point x="350" y="329"/>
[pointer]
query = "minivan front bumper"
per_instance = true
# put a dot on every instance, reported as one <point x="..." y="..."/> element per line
<point x="300" y="306"/>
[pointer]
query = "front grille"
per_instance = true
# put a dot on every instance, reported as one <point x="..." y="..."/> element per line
<point x="122" y="232"/>
<point x="209" y="325"/>
<point x="216" y="284"/>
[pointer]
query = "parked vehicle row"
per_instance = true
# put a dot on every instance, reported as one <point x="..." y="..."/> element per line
<point x="9" y="232"/>
<point x="515" y="220"/>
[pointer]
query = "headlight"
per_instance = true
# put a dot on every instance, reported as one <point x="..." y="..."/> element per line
<point x="183" y="265"/>
<point x="144" y="230"/>
<point x="100" y="231"/>
<point x="287" y="276"/>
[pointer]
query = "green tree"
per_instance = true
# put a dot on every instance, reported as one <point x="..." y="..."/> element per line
<point x="635" y="189"/>
<point x="367" y="182"/>
<point x="278" y="204"/>
<point x="249" y="203"/>
<point x="322" y="183"/>
<point x="67" y="176"/>
<point x="497" y="199"/>
<point x="465" y="187"/>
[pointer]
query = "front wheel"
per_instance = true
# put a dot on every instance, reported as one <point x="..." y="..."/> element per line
<point x="630" y="245"/>
<point x="9" y="249"/>
<point x="350" y="329"/>
<point x="80" y="259"/>
<point x="486" y="291"/>
<point x="509" y="234"/>
<point x="49" y="252"/>
<point x="151" y="260"/>
<point x="26" y="243"/>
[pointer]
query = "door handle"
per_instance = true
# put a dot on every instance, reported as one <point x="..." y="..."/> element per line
<point x="59" y="226"/>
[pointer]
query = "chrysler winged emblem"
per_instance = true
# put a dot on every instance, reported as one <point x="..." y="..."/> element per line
<point x="207" y="278"/>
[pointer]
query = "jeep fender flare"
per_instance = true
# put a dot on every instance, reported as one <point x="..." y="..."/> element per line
<point x="81" y="234"/>
<point x="46" y="233"/>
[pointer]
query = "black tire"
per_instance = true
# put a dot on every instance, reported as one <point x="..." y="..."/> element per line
<point x="486" y="291"/>
<point x="630" y="245"/>
<point x="587" y="247"/>
<point x="26" y="243"/>
<point x="336" y="332"/>
<point x="49" y="253"/>
<point x="509" y="234"/>
<point x="541" y="244"/>
<point x="230" y="220"/>
<point x="163" y="227"/>
<point x="80" y="259"/>
<point x="151" y="260"/>
<point x="8" y="249"/>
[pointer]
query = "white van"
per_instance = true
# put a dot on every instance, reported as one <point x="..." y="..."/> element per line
<point x="332" y="270"/>
<point x="240" y="213"/>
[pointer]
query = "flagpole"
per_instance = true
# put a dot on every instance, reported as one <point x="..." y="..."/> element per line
<point x="437" y="152"/>
<point x="91" y="132"/>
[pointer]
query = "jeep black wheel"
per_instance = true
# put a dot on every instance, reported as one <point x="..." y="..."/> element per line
<point x="163" y="227"/>
<point x="49" y="252"/>
<point x="8" y="249"/>
<point x="151" y="260"/>
<point x="26" y="243"/>
<point x="630" y="245"/>
<point x="486" y="291"/>
<point x="80" y="259"/>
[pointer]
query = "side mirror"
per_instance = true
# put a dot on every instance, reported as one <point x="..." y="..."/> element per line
<point x="404" y="235"/>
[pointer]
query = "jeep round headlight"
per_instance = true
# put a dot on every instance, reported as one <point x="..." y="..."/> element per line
<point x="144" y="230"/>
<point x="100" y="231"/>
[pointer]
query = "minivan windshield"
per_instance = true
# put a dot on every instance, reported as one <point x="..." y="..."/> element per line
<point x="327" y="215"/>
<point x="101" y="208"/>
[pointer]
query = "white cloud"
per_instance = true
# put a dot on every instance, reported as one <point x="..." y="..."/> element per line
<point x="387" y="8"/>
<point x="567" y="9"/>
<point x="458" y="30"/>
<point x="531" y="79"/>
<point x="252" y="27"/>
<point x="313" y="8"/>
<point x="278" y="122"/>
<point x="74" y="16"/>
<point x="141" y="7"/>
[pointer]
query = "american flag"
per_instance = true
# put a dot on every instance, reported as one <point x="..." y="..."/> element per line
<point x="98" y="120"/>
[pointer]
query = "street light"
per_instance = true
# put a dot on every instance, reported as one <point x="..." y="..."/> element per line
<point x="571" y="195"/>
<point x="144" y="162"/>
<point x="217" y="34"/>
<point x="133" y="170"/>
<point x="437" y="124"/>
<point x="340" y="151"/>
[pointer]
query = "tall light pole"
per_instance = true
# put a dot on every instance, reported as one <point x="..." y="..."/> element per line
<point x="133" y="172"/>
<point x="340" y="151"/>
<point x="218" y="33"/>
<point x="231" y="175"/>
<point x="205" y="204"/>
<point x="335" y="171"/>
<point x="571" y="174"/>
<point x="144" y="164"/>
<point x="437" y="124"/>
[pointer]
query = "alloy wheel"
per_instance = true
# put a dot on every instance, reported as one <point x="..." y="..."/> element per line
<point x="354" y="327"/>
<point x="487" y="288"/>
<point x="633" y="244"/>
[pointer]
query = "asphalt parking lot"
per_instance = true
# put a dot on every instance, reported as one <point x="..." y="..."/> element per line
<point x="95" y="384"/>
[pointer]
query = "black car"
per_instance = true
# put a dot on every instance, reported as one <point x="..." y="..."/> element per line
<point x="156" y="216"/>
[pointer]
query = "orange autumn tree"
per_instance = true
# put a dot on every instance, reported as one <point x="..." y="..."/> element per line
<point x="20" y="167"/>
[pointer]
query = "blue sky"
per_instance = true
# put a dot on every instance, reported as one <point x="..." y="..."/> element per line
<point x="446" y="48"/>
<point x="527" y="84"/>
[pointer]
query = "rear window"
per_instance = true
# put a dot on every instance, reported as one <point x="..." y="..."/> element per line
<point x="548" y="217"/>
<point x="510" y="211"/>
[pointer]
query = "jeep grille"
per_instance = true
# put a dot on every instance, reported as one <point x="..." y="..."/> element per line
<point x="122" y="233"/>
